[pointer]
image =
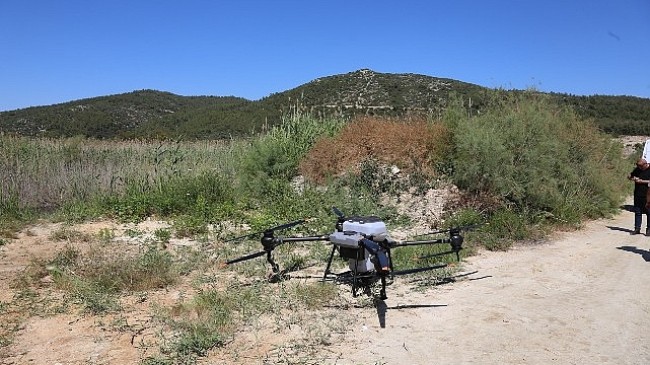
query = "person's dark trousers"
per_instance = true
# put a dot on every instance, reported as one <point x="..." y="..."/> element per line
<point x="639" y="211"/>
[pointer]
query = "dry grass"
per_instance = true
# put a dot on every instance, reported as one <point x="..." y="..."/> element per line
<point x="410" y="145"/>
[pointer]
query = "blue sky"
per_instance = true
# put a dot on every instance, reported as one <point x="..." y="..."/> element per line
<point x="58" y="51"/>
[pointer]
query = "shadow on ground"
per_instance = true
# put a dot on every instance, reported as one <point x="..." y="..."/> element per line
<point x="613" y="228"/>
<point x="645" y="254"/>
<point x="628" y="207"/>
<point x="381" y="307"/>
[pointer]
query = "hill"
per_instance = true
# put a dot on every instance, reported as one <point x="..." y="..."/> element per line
<point x="157" y="114"/>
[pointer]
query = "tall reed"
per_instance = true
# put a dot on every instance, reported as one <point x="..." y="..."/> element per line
<point x="48" y="173"/>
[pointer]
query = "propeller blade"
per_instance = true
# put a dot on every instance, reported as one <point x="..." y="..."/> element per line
<point x="420" y="269"/>
<point x="351" y="279"/>
<point x="471" y="227"/>
<point x="247" y="257"/>
<point x="420" y="243"/>
<point x="276" y="228"/>
<point x="436" y="255"/>
<point x="242" y="237"/>
<point x="434" y="232"/>
<point x="287" y="225"/>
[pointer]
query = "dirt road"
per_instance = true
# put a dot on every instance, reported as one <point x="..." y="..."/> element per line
<point x="581" y="299"/>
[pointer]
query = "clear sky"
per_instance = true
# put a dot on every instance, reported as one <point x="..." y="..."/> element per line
<point x="58" y="51"/>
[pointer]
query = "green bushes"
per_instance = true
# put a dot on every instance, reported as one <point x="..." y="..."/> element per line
<point x="277" y="154"/>
<point x="537" y="159"/>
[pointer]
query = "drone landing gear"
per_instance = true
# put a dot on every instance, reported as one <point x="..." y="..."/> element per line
<point x="368" y="284"/>
<point x="276" y="274"/>
<point x="363" y="274"/>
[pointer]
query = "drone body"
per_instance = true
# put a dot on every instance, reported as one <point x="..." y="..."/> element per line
<point x="354" y="230"/>
<point x="365" y="243"/>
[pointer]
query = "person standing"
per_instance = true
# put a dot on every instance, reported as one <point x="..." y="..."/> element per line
<point x="641" y="177"/>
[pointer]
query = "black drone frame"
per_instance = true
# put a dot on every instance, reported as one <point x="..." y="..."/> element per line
<point x="379" y="249"/>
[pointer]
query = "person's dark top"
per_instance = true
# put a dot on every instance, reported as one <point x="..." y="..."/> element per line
<point x="640" y="190"/>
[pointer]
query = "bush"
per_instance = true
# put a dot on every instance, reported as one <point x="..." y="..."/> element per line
<point x="537" y="157"/>
<point x="277" y="154"/>
<point x="412" y="145"/>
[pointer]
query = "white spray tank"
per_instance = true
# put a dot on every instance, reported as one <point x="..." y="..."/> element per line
<point x="354" y="229"/>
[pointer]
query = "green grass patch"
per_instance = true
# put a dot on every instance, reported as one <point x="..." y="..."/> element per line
<point x="96" y="277"/>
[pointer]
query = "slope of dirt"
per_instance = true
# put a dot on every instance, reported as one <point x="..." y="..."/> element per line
<point x="581" y="298"/>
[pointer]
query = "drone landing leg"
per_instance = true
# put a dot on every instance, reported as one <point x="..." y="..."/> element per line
<point x="329" y="263"/>
<point x="354" y="276"/>
<point x="274" y="266"/>
<point x="382" y="292"/>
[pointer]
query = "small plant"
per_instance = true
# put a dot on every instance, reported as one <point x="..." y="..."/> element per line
<point x="66" y="233"/>
<point x="94" y="296"/>
<point x="162" y="235"/>
<point x="189" y="226"/>
<point x="94" y="278"/>
<point x="106" y="235"/>
<point x="133" y="233"/>
<point x="64" y="260"/>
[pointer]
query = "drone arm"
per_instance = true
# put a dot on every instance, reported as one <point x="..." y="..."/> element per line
<point x="247" y="257"/>
<point x="425" y="242"/>
<point x="420" y="269"/>
<point x="306" y="239"/>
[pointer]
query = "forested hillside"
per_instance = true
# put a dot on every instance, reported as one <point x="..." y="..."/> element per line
<point x="157" y="114"/>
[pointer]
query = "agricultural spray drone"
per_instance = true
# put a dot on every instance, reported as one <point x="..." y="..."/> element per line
<point x="364" y="242"/>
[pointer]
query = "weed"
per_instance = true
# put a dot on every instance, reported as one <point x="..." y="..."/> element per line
<point x="133" y="233"/>
<point x="158" y="360"/>
<point x="162" y="235"/>
<point x="94" y="278"/>
<point x="66" y="233"/>
<point x="381" y="141"/>
<point x="189" y="226"/>
<point x="537" y="157"/>
<point x="106" y="235"/>
<point x="64" y="260"/>
<point x="95" y="297"/>
<point x="315" y="295"/>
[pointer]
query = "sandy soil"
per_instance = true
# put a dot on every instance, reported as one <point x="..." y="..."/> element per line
<point x="581" y="298"/>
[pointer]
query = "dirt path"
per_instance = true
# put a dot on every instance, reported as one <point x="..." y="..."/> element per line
<point x="581" y="299"/>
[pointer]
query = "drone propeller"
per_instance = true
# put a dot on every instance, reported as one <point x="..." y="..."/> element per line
<point x="437" y="254"/>
<point x="420" y="269"/>
<point x="247" y="257"/>
<point x="340" y="220"/>
<point x="276" y="228"/>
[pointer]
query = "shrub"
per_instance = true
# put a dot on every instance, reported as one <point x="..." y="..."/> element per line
<point x="412" y="145"/>
<point x="538" y="157"/>
<point x="277" y="154"/>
